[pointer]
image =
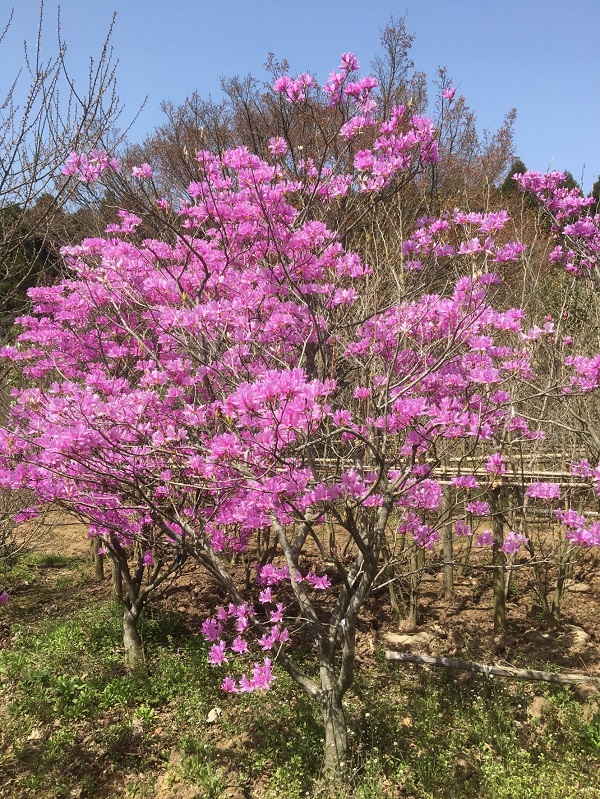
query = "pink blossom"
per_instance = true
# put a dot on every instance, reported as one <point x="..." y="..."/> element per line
<point x="217" y="655"/>
<point x="513" y="542"/>
<point x="581" y="468"/>
<point x="318" y="583"/>
<point x="265" y="596"/>
<point x="344" y="297"/>
<point x="266" y="642"/>
<point x="543" y="491"/>
<point x="478" y="507"/>
<point x="242" y="624"/>
<point x="277" y="145"/>
<point x="424" y="536"/>
<point x="262" y="676"/>
<point x="484" y="539"/>
<point x="229" y="685"/>
<point x="71" y="165"/>
<point x="270" y="575"/>
<point x="448" y="94"/>
<point x="211" y="629"/>
<point x="470" y="247"/>
<point x="467" y="481"/>
<point x="461" y="528"/>
<point x="142" y="171"/>
<point x="245" y="685"/>
<point x="349" y="62"/>
<point x="25" y="515"/>
<point x="284" y="636"/>
<point x="495" y="464"/>
<point x="239" y="645"/>
<point x="277" y="615"/>
<point x="355" y="125"/>
<point x="281" y="84"/>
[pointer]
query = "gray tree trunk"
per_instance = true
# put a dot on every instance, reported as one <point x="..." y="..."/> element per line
<point x="134" y="650"/>
<point x="335" y="755"/>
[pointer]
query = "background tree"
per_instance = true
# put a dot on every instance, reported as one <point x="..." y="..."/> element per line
<point x="249" y="114"/>
<point x="44" y="116"/>
<point x="595" y="208"/>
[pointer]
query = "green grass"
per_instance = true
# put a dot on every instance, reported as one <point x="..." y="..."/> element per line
<point x="52" y="560"/>
<point x="450" y="739"/>
<point x="73" y="719"/>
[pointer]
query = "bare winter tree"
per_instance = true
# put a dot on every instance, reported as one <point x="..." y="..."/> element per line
<point x="45" y="114"/>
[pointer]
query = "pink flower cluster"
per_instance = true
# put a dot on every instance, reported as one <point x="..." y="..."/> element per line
<point x="448" y="94"/>
<point x="243" y="619"/>
<point x="513" y="542"/>
<point x="577" y="234"/>
<point x="577" y="531"/>
<point x="88" y="168"/>
<point x="143" y="171"/>
<point x="543" y="490"/>
<point x="295" y="90"/>
<point x="495" y="464"/>
<point x="271" y="575"/>
<point x="434" y="239"/>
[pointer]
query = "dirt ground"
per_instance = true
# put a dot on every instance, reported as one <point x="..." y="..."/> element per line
<point x="461" y="627"/>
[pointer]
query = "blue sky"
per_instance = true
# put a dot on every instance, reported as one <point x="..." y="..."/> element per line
<point x="540" y="56"/>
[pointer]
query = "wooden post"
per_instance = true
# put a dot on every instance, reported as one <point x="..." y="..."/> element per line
<point x="97" y="557"/>
<point x="498" y="559"/>
<point x="117" y="581"/>
<point x="416" y="564"/>
<point x="565" y="569"/>
<point x="447" y="533"/>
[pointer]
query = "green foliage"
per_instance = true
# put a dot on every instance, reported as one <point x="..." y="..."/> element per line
<point x="509" y="186"/>
<point x="52" y="560"/>
<point x="26" y="258"/>
<point x="595" y="208"/>
<point x="569" y="181"/>
<point x="449" y="738"/>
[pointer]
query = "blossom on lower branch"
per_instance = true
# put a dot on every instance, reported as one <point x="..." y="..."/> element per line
<point x="242" y="618"/>
<point x="262" y="677"/>
<point x="240" y="615"/>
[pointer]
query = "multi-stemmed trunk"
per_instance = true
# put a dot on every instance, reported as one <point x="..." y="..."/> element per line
<point x="336" y="640"/>
<point x="132" y="585"/>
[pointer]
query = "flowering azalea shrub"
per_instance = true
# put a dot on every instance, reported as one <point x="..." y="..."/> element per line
<point x="188" y="394"/>
<point x="576" y="233"/>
